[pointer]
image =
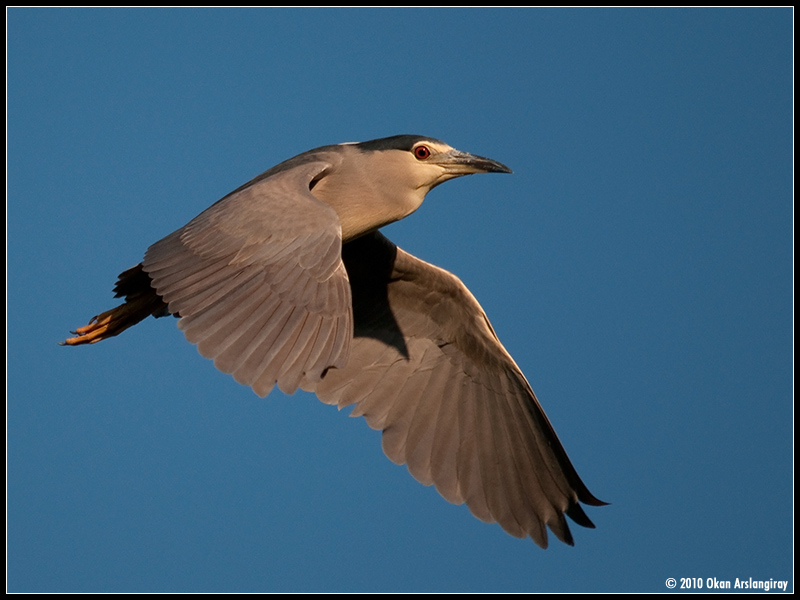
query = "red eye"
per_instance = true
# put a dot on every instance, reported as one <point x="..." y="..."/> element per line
<point x="422" y="152"/>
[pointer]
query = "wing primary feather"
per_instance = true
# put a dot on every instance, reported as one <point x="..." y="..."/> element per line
<point x="491" y="463"/>
<point x="230" y="326"/>
<point x="190" y="303"/>
<point x="471" y="487"/>
<point x="251" y="367"/>
<point x="217" y="317"/>
<point x="398" y="420"/>
<point x="444" y="452"/>
<point x="295" y="360"/>
<point x="272" y="360"/>
<point x="520" y="437"/>
<point x="375" y="407"/>
<point x="243" y="343"/>
<point x="421" y="429"/>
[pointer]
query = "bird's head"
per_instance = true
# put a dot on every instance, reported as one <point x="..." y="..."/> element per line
<point x="421" y="163"/>
<point x="372" y="184"/>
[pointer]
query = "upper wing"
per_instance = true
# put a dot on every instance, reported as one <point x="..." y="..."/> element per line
<point x="427" y="368"/>
<point x="258" y="282"/>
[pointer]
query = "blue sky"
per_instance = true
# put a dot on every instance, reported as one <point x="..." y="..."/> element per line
<point x="637" y="264"/>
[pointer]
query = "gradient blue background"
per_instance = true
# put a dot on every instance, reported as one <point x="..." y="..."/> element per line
<point x="637" y="264"/>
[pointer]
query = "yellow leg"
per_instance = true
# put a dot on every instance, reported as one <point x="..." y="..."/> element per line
<point x="114" y="321"/>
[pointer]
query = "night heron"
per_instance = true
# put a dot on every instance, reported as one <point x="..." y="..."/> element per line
<point x="287" y="280"/>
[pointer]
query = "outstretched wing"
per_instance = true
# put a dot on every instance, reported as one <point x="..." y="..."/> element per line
<point x="258" y="282"/>
<point x="427" y="368"/>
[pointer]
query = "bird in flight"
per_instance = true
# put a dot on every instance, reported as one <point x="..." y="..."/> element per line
<point x="287" y="281"/>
